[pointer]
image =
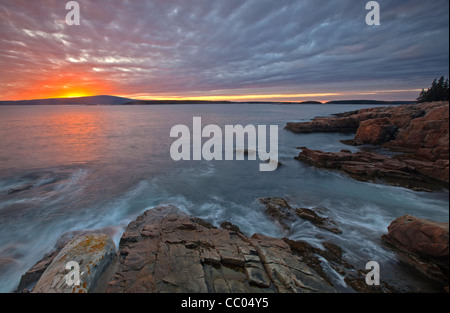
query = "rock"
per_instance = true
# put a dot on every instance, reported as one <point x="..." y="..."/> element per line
<point x="370" y="166"/>
<point x="334" y="255"/>
<point x="32" y="276"/>
<point x="423" y="244"/>
<point x="419" y="130"/>
<point x="322" y="222"/>
<point x="20" y="188"/>
<point x="269" y="161"/>
<point x="230" y="227"/>
<point x="375" y="131"/>
<point x="282" y="213"/>
<point x="349" y="122"/>
<point x="94" y="253"/>
<point x="286" y="270"/>
<point x="342" y="123"/>
<point x="427" y="136"/>
<point x="438" y="170"/>
<point x="327" y="125"/>
<point x="165" y="250"/>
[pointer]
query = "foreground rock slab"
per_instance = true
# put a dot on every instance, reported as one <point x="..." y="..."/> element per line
<point x="165" y="250"/>
<point x="94" y="253"/>
<point x="423" y="244"/>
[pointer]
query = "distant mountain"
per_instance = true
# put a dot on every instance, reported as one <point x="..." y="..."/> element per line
<point x="112" y="100"/>
<point x="310" y="102"/>
<point x="368" y="102"/>
<point x="303" y="102"/>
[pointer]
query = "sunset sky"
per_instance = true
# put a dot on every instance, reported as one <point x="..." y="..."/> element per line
<point x="271" y="50"/>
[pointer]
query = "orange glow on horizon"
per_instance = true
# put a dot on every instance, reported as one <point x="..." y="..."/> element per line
<point x="63" y="85"/>
<point x="252" y="97"/>
<point x="75" y="84"/>
<point x="294" y="97"/>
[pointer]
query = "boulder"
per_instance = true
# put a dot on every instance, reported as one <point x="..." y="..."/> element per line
<point x="93" y="253"/>
<point x="375" y="131"/>
<point x="423" y="244"/>
<point x="32" y="276"/>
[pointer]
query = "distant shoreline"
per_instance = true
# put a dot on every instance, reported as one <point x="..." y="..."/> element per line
<point x="112" y="100"/>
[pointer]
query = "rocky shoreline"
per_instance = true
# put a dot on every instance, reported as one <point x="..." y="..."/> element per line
<point x="165" y="250"/>
<point x="419" y="133"/>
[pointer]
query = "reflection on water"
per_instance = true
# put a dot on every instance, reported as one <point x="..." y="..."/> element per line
<point x="51" y="138"/>
<point x="77" y="133"/>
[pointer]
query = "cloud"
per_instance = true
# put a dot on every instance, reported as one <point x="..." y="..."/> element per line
<point x="202" y="46"/>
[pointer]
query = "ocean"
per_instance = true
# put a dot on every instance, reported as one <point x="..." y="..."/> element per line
<point x="99" y="167"/>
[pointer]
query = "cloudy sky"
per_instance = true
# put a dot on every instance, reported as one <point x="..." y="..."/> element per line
<point x="222" y="49"/>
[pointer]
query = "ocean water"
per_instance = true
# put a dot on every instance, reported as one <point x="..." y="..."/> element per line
<point x="99" y="167"/>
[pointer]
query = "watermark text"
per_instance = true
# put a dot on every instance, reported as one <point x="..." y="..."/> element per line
<point x="234" y="143"/>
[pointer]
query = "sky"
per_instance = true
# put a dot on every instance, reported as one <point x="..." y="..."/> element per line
<point x="240" y="50"/>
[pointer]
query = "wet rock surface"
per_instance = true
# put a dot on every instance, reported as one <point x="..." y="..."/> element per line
<point x="282" y="213"/>
<point x="353" y="277"/>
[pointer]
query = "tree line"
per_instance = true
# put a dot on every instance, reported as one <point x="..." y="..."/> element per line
<point x="437" y="92"/>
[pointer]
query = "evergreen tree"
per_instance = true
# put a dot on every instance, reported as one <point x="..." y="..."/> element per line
<point x="439" y="91"/>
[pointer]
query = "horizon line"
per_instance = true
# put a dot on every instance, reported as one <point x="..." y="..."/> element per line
<point x="212" y="99"/>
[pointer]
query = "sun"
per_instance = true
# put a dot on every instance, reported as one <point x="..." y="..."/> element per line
<point x="75" y="94"/>
<point x="74" y="90"/>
